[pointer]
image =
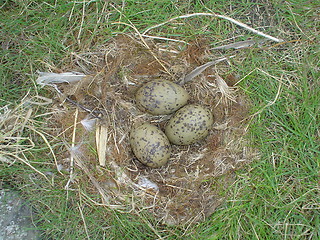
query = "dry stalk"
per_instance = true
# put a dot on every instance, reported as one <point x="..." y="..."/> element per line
<point x="218" y="16"/>
<point x="146" y="45"/>
<point x="101" y="142"/>
<point x="270" y="103"/>
<point x="150" y="226"/>
<point x="82" y="21"/>
<point x="49" y="146"/>
<point x="84" y="221"/>
<point x="142" y="39"/>
<point x="29" y="165"/>
<point x="83" y="167"/>
<point x="72" y="152"/>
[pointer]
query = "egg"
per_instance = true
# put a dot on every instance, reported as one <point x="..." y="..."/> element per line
<point x="161" y="97"/>
<point x="150" y="145"/>
<point x="189" y="124"/>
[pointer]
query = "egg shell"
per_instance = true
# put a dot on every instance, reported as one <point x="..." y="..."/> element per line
<point x="160" y="97"/>
<point x="189" y="124"/>
<point x="150" y="145"/>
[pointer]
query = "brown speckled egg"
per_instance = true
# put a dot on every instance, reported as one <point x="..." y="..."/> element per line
<point x="189" y="124"/>
<point x="161" y="97"/>
<point x="150" y="145"/>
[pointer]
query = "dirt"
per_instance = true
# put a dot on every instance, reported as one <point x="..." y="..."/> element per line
<point x="191" y="186"/>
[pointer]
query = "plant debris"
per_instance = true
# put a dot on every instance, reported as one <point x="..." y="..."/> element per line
<point x="190" y="187"/>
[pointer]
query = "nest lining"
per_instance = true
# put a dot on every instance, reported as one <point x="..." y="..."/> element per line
<point x="188" y="188"/>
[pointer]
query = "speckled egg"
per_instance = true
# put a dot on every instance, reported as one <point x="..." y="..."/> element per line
<point x="161" y="97"/>
<point x="189" y="124"/>
<point x="150" y="145"/>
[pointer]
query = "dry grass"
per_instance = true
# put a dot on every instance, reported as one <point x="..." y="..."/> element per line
<point x="184" y="191"/>
<point x="14" y="123"/>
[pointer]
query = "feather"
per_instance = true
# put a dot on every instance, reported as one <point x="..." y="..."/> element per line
<point x="147" y="184"/>
<point x="199" y="70"/>
<point x="46" y="78"/>
<point x="238" y="45"/>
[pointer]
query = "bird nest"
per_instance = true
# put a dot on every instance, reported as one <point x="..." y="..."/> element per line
<point x="93" y="117"/>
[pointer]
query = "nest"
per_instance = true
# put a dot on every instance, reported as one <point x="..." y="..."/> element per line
<point x="94" y="116"/>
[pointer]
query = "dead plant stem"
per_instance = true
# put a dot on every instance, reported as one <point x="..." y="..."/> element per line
<point x="218" y="16"/>
<point x="84" y="221"/>
<point x="72" y="147"/>
<point x="28" y="164"/>
<point x="49" y="146"/>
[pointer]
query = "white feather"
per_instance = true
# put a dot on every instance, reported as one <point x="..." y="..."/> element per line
<point x="89" y="124"/>
<point x="147" y="184"/>
<point x="46" y="78"/>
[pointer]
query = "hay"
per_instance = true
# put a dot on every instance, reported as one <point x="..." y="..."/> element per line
<point x="187" y="189"/>
<point x="14" y="144"/>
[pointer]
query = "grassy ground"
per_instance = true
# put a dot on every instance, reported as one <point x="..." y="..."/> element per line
<point x="276" y="197"/>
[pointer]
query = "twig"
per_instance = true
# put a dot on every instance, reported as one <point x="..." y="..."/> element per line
<point x="82" y="21"/>
<point x="92" y="112"/>
<point x="270" y="103"/>
<point x="72" y="149"/>
<point x="84" y="221"/>
<point x="145" y="44"/>
<point x="218" y="16"/>
<point x="150" y="226"/>
<point x="142" y="39"/>
<point x="28" y="164"/>
<point x="78" y="157"/>
<point x="49" y="146"/>
<point x="164" y="38"/>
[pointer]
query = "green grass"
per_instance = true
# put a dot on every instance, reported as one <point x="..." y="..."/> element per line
<point x="276" y="197"/>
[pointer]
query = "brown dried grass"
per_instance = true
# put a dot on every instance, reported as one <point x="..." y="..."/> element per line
<point x="187" y="189"/>
<point x="15" y="145"/>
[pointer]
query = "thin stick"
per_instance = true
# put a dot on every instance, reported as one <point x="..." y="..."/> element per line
<point x="142" y="39"/>
<point x="101" y="190"/>
<point x="270" y="103"/>
<point x="82" y="21"/>
<point x="49" y="146"/>
<point x="72" y="147"/>
<point x="28" y="164"/>
<point x="164" y="38"/>
<point x="84" y="221"/>
<point x="218" y="16"/>
<point x="145" y="44"/>
<point x="149" y="225"/>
